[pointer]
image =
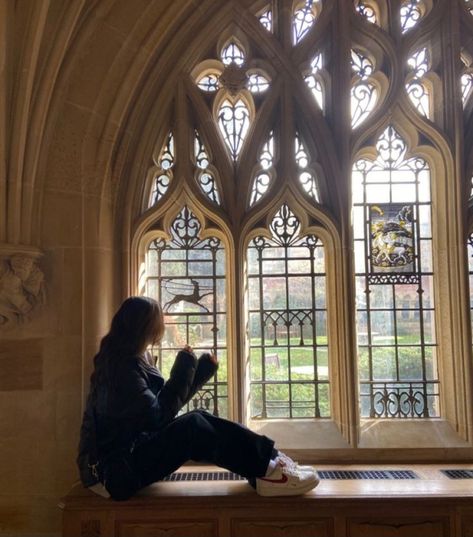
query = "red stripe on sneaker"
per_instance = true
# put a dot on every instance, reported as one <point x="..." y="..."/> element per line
<point x="282" y="480"/>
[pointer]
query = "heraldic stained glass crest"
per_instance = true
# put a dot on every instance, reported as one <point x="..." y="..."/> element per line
<point x="392" y="252"/>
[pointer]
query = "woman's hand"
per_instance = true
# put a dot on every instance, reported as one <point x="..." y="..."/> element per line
<point x="188" y="348"/>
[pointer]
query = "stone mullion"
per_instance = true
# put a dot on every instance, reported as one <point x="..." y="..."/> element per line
<point x="453" y="275"/>
<point x="345" y="396"/>
<point x="183" y="133"/>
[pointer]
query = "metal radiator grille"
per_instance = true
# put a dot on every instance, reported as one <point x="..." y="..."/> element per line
<point x="458" y="474"/>
<point x="322" y="474"/>
<point x="204" y="476"/>
<point x="367" y="474"/>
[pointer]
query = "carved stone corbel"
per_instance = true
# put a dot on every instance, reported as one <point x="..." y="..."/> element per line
<point x="22" y="288"/>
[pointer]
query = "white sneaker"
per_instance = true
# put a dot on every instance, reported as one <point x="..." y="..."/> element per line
<point x="289" y="462"/>
<point x="286" y="480"/>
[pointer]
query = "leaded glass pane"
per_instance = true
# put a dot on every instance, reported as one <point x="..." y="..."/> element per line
<point x="233" y="122"/>
<point x="165" y="163"/>
<point x="366" y="11"/>
<point x="263" y="178"/>
<point x="314" y="82"/>
<point x="303" y="19"/>
<point x="257" y="83"/>
<point x="307" y="177"/>
<point x="466" y="86"/>
<point x="394" y="278"/>
<point x="186" y="275"/>
<point x="411" y="13"/>
<point x="233" y="53"/>
<point x="205" y="175"/>
<point x="416" y="87"/>
<point x="266" y="19"/>
<point x="209" y="82"/>
<point x="363" y="92"/>
<point x="287" y="323"/>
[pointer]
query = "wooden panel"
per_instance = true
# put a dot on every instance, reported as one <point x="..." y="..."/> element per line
<point x="467" y="526"/>
<point x="398" y="527"/>
<point x="21" y="364"/>
<point x="310" y="527"/>
<point x="167" y="528"/>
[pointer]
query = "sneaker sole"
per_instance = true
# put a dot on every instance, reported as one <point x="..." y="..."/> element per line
<point x="275" y="491"/>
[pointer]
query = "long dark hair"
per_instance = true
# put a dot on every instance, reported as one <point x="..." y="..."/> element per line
<point x="137" y="323"/>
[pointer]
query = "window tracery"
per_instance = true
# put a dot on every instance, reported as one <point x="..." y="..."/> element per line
<point x="366" y="10"/>
<point x="165" y="164"/>
<point x="304" y="18"/>
<point x="205" y="174"/>
<point x="314" y="81"/>
<point x="363" y="92"/>
<point x="262" y="114"/>
<point x="307" y="177"/>
<point x="265" y="172"/>
<point x="416" y="86"/>
<point x="412" y="11"/>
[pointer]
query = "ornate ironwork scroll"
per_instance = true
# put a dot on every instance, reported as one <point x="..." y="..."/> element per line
<point x="186" y="274"/>
<point x="287" y="323"/>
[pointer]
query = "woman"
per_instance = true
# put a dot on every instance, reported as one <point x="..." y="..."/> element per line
<point x="130" y="435"/>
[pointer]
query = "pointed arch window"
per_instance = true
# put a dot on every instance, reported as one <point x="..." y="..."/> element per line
<point x="287" y="320"/>
<point x="393" y="255"/>
<point x="280" y="144"/>
<point x="186" y="275"/>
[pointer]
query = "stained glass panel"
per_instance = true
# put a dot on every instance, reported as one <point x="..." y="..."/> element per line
<point x="233" y="53"/>
<point x="186" y="275"/>
<point x="287" y="323"/>
<point x="209" y="82"/>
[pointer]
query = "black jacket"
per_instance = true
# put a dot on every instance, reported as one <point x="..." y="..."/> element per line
<point x="140" y="402"/>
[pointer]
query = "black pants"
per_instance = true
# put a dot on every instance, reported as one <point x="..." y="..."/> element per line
<point x="199" y="436"/>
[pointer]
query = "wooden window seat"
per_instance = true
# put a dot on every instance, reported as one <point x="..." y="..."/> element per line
<point x="432" y="505"/>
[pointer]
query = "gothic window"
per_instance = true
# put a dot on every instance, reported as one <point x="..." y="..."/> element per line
<point x="393" y="254"/>
<point x="287" y="318"/>
<point x="186" y="275"/>
<point x="299" y="214"/>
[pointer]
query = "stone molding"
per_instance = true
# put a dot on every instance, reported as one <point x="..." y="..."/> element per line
<point x="22" y="288"/>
